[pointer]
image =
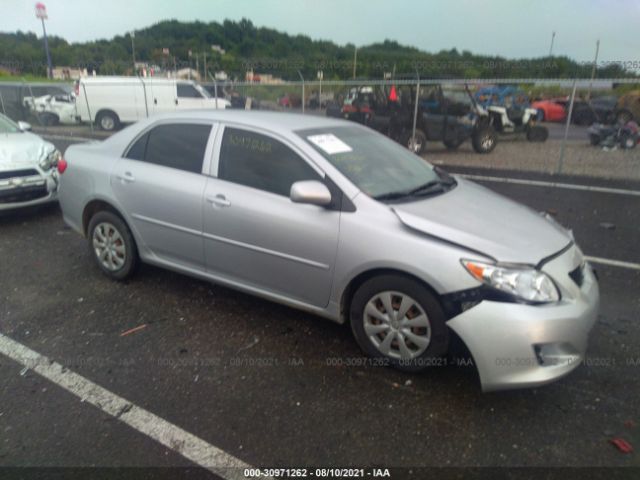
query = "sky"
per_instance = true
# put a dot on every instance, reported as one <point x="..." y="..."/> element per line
<point x="509" y="28"/>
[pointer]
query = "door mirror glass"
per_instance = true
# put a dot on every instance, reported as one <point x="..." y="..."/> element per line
<point x="24" y="126"/>
<point x="312" y="192"/>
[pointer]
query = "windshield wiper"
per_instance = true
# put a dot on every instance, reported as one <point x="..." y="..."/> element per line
<point x="429" y="188"/>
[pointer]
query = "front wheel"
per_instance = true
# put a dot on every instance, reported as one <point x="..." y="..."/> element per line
<point x="112" y="246"/>
<point x="484" y="139"/>
<point x="399" y="320"/>
<point x="537" y="133"/>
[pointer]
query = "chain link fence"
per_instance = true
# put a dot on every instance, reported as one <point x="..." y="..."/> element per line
<point x="587" y="121"/>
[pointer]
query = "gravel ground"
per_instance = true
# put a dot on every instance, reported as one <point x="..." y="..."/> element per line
<point x="581" y="159"/>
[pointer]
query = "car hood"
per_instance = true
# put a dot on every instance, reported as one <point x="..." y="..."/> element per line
<point x="480" y="220"/>
<point x="18" y="150"/>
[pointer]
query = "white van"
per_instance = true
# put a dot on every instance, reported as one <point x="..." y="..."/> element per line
<point x="111" y="101"/>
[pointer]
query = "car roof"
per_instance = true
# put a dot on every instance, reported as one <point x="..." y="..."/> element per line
<point x="275" y="121"/>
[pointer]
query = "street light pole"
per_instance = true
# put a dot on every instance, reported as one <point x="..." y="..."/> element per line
<point x="41" y="13"/>
<point x="553" y="36"/>
<point x="593" y="70"/>
<point x="133" y="50"/>
<point x="355" y="61"/>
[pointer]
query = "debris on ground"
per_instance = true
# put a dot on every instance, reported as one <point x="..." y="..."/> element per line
<point x="133" y="330"/>
<point x="250" y="345"/>
<point x="608" y="226"/>
<point x="622" y="445"/>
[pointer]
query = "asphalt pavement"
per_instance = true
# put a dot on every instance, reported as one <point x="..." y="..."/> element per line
<point x="261" y="381"/>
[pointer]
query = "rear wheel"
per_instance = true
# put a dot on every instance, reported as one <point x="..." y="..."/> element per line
<point x="108" y="121"/>
<point x="594" y="139"/>
<point x="628" y="141"/>
<point x="484" y="139"/>
<point x="537" y="134"/>
<point x="453" y="144"/>
<point x="112" y="246"/>
<point x="48" y="119"/>
<point x="417" y="144"/>
<point x="397" y="319"/>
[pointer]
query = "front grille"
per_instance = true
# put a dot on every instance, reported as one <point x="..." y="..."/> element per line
<point x="23" y="194"/>
<point x="577" y="275"/>
<point x="27" y="172"/>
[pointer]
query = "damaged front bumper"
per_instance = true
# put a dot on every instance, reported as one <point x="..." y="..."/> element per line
<point x="27" y="187"/>
<point x="516" y="345"/>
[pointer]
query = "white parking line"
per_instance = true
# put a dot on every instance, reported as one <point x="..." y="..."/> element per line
<point x="613" y="263"/>
<point x="189" y="446"/>
<point x="538" y="183"/>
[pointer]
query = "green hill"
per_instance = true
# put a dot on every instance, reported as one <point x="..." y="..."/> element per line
<point x="270" y="51"/>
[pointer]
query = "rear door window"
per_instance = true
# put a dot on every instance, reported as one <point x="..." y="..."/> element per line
<point x="180" y="145"/>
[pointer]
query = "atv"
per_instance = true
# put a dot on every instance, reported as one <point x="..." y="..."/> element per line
<point x="510" y="113"/>
<point x="626" y="136"/>
<point x="446" y="114"/>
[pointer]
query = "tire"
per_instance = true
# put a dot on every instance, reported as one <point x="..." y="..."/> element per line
<point x="420" y="143"/>
<point x="484" y="140"/>
<point x="537" y="134"/>
<point x="594" y="139"/>
<point x="49" y="119"/>
<point x="370" y="331"/>
<point x="623" y="117"/>
<point x="452" y="144"/>
<point x="108" y="121"/>
<point x="121" y="263"/>
<point x="627" y="142"/>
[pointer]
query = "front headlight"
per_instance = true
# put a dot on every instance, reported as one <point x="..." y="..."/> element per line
<point x="50" y="160"/>
<point x="520" y="281"/>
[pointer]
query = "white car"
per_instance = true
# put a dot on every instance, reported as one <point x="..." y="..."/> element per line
<point x="53" y="109"/>
<point x="27" y="173"/>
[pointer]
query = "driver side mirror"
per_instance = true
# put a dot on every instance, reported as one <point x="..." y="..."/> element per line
<point x="24" y="126"/>
<point x="311" y="192"/>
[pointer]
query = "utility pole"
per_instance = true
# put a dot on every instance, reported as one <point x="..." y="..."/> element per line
<point x="198" y="65"/>
<point x="355" y="61"/>
<point x="205" y="63"/>
<point x="133" y="50"/>
<point x="553" y="37"/>
<point x="593" y="70"/>
<point x="41" y="13"/>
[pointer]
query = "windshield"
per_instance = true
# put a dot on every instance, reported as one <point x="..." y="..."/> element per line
<point x="7" y="126"/>
<point x="203" y="91"/>
<point x="376" y="165"/>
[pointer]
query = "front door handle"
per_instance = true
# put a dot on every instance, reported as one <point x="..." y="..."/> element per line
<point x="126" y="177"/>
<point x="219" y="201"/>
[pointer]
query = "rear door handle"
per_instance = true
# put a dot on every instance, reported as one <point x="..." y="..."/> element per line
<point x="219" y="201"/>
<point x="127" y="177"/>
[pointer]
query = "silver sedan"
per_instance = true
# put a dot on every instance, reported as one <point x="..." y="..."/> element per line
<point x="333" y="218"/>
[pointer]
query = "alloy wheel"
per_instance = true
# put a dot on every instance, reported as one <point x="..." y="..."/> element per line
<point x="109" y="246"/>
<point x="397" y="325"/>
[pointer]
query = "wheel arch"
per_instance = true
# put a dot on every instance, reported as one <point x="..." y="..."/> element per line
<point x="355" y="283"/>
<point x="97" y="205"/>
